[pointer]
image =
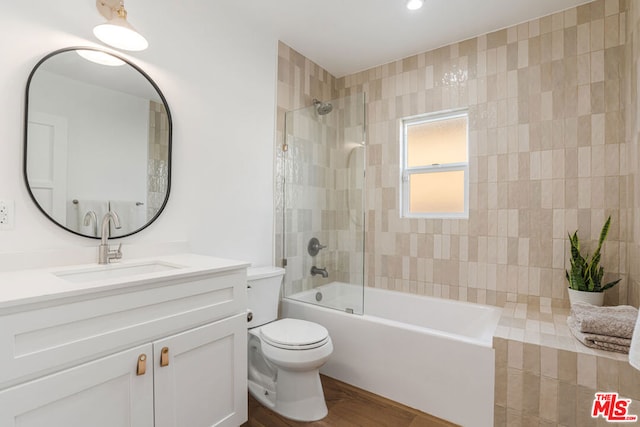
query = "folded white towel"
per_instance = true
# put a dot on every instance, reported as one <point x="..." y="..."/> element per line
<point x="634" y="351"/>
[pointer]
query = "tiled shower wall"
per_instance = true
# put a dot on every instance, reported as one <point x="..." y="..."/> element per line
<point x="299" y="82"/>
<point x="158" y="153"/>
<point x="547" y="156"/>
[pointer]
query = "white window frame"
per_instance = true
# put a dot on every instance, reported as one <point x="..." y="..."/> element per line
<point x="406" y="172"/>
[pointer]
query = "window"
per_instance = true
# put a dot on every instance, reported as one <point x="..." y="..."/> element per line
<point x="435" y="166"/>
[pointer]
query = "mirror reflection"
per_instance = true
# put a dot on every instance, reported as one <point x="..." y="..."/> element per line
<point x="98" y="139"/>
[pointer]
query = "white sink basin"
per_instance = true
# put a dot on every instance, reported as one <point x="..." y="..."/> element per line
<point x="114" y="271"/>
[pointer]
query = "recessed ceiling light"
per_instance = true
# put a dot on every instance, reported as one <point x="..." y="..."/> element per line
<point x="414" y="4"/>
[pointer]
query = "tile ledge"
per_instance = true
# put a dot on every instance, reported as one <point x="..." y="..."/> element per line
<point x="521" y="322"/>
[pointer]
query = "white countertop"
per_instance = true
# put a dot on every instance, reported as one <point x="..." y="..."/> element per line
<point x="32" y="286"/>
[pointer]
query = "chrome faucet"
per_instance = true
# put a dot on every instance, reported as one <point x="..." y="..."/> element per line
<point x="322" y="271"/>
<point x="105" y="255"/>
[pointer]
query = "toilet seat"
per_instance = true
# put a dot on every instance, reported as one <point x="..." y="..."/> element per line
<point x="294" y="334"/>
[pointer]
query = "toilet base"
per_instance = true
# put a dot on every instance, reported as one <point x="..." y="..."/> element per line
<point x="300" y="396"/>
<point x="262" y="394"/>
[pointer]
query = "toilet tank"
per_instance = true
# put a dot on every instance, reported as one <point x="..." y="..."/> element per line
<point x="263" y="293"/>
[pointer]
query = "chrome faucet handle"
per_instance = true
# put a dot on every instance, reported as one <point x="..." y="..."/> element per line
<point x="117" y="254"/>
<point x="113" y="253"/>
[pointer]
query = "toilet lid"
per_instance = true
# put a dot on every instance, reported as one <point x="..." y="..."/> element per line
<point x="294" y="334"/>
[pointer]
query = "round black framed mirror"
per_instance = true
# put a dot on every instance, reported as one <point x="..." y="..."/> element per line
<point x="97" y="138"/>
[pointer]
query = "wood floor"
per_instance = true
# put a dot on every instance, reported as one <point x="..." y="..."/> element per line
<point x="349" y="406"/>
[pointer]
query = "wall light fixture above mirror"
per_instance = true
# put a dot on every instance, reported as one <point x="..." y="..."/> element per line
<point x="97" y="138"/>
<point x="117" y="31"/>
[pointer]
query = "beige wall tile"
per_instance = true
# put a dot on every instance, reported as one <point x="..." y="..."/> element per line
<point x="515" y="355"/>
<point x="548" y="103"/>
<point x="531" y="394"/>
<point x="564" y="59"/>
<point x="597" y="34"/>
<point x="567" y="366"/>
<point x="607" y="376"/>
<point x="586" y="370"/>
<point x="585" y="398"/>
<point x="549" y="362"/>
<point x="629" y="381"/>
<point x="567" y="403"/>
<point x="515" y="384"/>
<point x="549" y="389"/>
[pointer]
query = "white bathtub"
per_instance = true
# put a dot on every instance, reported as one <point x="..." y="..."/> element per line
<point x="431" y="354"/>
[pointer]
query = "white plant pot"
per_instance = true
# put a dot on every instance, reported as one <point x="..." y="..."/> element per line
<point x="593" y="298"/>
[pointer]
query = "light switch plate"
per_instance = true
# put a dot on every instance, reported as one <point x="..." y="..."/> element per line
<point x="6" y="214"/>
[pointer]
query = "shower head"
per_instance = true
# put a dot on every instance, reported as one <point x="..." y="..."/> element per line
<point x="322" y="108"/>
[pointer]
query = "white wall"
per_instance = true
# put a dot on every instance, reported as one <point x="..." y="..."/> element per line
<point x="218" y="75"/>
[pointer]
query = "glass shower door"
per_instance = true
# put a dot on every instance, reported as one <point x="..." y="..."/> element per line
<point x="323" y="200"/>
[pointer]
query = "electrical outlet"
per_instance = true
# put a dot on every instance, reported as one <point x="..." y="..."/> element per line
<point x="6" y="214"/>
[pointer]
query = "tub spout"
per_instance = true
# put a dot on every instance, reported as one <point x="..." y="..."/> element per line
<point x="322" y="271"/>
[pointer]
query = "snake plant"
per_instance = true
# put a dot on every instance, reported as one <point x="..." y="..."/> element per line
<point x="586" y="273"/>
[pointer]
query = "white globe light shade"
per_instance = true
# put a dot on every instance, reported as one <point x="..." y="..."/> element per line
<point x="118" y="33"/>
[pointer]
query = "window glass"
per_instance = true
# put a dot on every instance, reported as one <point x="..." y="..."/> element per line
<point x="437" y="192"/>
<point x="437" y="142"/>
<point x="435" y="168"/>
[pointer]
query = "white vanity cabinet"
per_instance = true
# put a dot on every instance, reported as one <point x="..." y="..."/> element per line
<point x="199" y="386"/>
<point x="103" y="393"/>
<point x="167" y="349"/>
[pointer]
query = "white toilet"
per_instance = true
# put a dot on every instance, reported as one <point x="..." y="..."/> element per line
<point x="284" y="355"/>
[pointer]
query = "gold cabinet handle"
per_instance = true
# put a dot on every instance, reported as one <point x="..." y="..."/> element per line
<point x="164" y="356"/>
<point x="142" y="364"/>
